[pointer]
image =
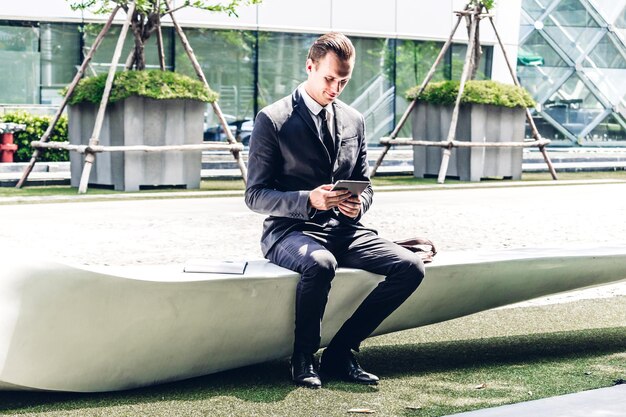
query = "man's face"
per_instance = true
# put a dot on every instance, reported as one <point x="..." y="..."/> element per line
<point x="327" y="78"/>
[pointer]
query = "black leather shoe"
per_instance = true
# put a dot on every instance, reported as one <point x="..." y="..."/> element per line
<point x="303" y="371"/>
<point x="344" y="366"/>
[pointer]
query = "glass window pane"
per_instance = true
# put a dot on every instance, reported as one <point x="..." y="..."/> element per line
<point x="535" y="8"/>
<point x="606" y="54"/>
<point x="18" y="38"/>
<point x="457" y="62"/>
<point x="611" y="82"/>
<point x="370" y="89"/>
<point x="227" y="61"/>
<point x="571" y="13"/>
<point x="413" y="61"/>
<point x="282" y="59"/>
<point x="456" y="59"/>
<point x="526" y="21"/>
<point x="19" y="64"/>
<point x="573" y="106"/>
<point x="574" y="41"/>
<point x="525" y="30"/>
<point x="620" y="22"/>
<point x="611" y="128"/>
<point x="538" y="80"/>
<point x="103" y="56"/>
<point x="60" y="57"/>
<point x="537" y="48"/>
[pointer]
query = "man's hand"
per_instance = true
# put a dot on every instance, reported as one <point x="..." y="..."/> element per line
<point x="351" y="207"/>
<point x="322" y="198"/>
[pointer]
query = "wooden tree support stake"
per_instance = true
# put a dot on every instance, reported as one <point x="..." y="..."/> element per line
<point x="95" y="136"/>
<point x="70" y="90"/>
<point x="475" y="14"/>
<point x="409" y="109"/>
<point x="529" y="117"/>
<point x="93" y="147"/>
<point x="87" y="149"/>
<point x="216" y="108"/>
<point x="467" y="69"/>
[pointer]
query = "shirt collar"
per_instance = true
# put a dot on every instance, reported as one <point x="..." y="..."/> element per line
<point x="313" y="106"/>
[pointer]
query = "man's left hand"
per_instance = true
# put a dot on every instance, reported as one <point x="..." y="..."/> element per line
<point x="350" y="207"/>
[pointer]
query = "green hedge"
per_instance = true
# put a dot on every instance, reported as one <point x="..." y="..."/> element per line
<point x="35" y="128"/>
<point x="156" y="84"/>
<point x="476" y="91"/>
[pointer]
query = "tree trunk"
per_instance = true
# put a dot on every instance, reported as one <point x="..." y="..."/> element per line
<point x="143" y="27"/>
<point x="139" y="59"/>
<point x="478" y="51"/>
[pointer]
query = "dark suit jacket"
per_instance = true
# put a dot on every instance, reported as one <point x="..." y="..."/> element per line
<point x="287" y="160"/>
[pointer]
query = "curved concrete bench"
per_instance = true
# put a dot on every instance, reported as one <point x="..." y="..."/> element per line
<point x="87" y="329"/>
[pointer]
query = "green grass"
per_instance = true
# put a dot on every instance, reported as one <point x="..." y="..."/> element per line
<point x="518" y="354"/>
<point x="594" y="175"/>
<point x="48" y="190"/>
<point x="66" y="190"/>
<point x="403" y="180"/>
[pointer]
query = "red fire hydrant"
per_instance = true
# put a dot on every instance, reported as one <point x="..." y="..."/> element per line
<point x="7" y="147"/>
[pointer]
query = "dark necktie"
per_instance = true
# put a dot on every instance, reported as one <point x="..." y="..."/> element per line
<point x="329" y="142"/>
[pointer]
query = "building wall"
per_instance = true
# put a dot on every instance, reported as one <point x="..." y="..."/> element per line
<point x="268" y="43"/>
<point x="421" y="19"/>
<point x="405" y="19"/>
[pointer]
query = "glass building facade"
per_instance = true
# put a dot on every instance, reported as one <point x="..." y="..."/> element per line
<point x="248" y="68"/>
<point x="572" y="58"/>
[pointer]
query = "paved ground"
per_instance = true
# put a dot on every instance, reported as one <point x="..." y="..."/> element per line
<point x="171" y="230"/>
<point x="605" y="402"/>
<point x="124" y="232"/>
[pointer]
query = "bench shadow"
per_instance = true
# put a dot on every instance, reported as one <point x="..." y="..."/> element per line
<point x="269" y="382"/>
<point x="410" y="359"/>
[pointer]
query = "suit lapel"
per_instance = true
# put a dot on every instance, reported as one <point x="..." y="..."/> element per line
<point x="300" y="107"/>
<point x="339" y="124"/>
<point x="303" y="111"/>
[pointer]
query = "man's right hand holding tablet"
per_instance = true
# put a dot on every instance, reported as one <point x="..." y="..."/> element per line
<point x="323" y="198"/>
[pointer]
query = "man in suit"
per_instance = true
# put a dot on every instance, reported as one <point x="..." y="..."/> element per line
<point x="300" y="146"/>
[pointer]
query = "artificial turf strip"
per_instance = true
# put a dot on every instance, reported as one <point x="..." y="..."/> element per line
<point x="484" y="360"/>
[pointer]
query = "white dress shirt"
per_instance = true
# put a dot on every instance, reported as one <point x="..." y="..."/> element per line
<point x="315" y="108"/>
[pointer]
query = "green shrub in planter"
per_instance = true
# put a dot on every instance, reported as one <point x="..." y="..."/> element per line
<point x="35" y="128"/>
<point x="476" y="91"/>
<point x="155" y="84"/>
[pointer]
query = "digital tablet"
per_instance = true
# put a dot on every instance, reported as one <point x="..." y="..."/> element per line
<point x="355" y="187"/>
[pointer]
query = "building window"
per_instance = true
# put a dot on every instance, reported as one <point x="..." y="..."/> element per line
<point x="103" y="56"/>
<point x="227" y="61"/>
<point x="414" y="59"/>
<point x="19" y="63"/>
<point x="572" y="59"/>
<point x="282" y="59"/>
<point x="371" y="90"/>
<point x="60" y="57"/>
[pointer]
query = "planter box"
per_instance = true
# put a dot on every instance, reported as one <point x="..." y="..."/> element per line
<point x="477" y="123"/>
<point x="140" y="121"/>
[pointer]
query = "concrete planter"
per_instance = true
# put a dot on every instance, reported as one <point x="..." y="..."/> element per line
<point x="477" y="123"/>
<point x="140" y="121"/>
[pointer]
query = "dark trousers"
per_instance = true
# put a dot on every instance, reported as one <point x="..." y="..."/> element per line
<point x="316" y="256"/>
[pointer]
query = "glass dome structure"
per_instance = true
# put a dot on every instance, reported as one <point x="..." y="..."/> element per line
<point x="572" y="58"/>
